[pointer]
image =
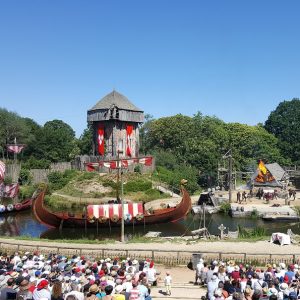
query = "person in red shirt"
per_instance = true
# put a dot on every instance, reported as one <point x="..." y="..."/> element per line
<point x="235" y="275"/>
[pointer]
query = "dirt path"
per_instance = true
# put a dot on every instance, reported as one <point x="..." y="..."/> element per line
<point x="264" y="247"/>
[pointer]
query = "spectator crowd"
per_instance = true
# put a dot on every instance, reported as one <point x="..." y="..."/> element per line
<point x="33" y="276"/>
<point x="245" y="282"/>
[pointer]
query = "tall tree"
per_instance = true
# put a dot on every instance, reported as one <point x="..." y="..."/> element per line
<point x="12" y="126"/>
<point x="55" y="141"/>
<point x="284" y="123"/>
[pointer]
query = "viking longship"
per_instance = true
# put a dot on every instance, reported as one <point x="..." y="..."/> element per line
<point x="107" y="215"/>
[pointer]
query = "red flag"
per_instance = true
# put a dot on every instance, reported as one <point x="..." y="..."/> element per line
<point x="100" y="137"/>
<point x="129" y="131"/>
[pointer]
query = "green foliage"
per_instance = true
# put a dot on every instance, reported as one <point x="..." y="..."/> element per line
<point x="26" y="191"/>
<point x="58" y="180"/>
<point x="173" y="177"/>
<point x="86" y="176"/>
<point x="12" y="126"/>
<point x="137" y="185"/>
<point x="55" y="141"/>
<point x="251" y="233"/>
<point x="58" y="203"/>
<point x="137" y="169"/>
<point x="7" y="180"/>
<point x="284" y="123"/>
<point x="33" y="163"/>
<point x="25" y="176"/>
<point x="85" y="141"/>
<point x="225" y="208"/>
<point x="254" y="214"/>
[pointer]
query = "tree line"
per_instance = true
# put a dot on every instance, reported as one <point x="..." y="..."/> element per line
<point x="195" y="144"/>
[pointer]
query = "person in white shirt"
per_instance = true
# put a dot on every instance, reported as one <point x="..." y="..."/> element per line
<point x="168" y="282"/>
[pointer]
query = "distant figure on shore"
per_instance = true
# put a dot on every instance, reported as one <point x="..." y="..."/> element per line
<point x="244" y="196"/>
<point x="294" y="194"/>
<point x="260" y="193"/>
<point x="238" y="197"/>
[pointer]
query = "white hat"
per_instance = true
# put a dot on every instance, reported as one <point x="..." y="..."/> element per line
<point x="27" y="253"/>
<point x="108" y="259"/>
<point x="282" y="265"/>
<point x="66" y="278"/>
<point x="118" y="289"/>
<point x="296" y="266"/>
<point x="283" y="286"/>
<point x="215" y="262"/>
<point x="135" y="262"/>
<point x="41" y="257"/>
<point x="24" y="257"/>
<point x="73" y="278"/>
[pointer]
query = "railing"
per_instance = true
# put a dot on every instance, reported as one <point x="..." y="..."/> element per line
<point x="166" y="257"/>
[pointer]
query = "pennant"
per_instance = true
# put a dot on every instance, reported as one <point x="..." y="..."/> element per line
<point x="100" y="139"/>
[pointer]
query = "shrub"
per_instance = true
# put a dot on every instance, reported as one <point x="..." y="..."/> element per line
<point x="137" y="185"/>
<point x="225" y="207"/>
<point x="26" y="191"/>
<point x="7" y="180"/>
<point x="25" y="176"/>
<point x="86" y="176"/>
<point x="58" y="180"/>
<point x="33" y="163"/>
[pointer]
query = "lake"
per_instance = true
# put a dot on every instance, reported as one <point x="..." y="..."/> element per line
<point x="25" y="224"/>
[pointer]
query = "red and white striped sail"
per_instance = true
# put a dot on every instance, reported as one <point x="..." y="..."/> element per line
<point x="2" y="170"/>
<point x="110" y="210"/>
<point x="15" y="148"/>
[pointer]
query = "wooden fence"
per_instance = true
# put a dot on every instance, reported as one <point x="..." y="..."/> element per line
<point x="166" y="257"/>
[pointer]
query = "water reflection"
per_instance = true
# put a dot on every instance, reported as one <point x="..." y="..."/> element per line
<point x="24" y="223"/>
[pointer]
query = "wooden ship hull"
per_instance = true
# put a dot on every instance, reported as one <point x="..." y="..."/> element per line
<point x="63" y="219"/>
<point x="12" y="208"/>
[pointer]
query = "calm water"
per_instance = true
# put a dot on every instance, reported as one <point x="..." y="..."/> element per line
<point x="24" y="223"/>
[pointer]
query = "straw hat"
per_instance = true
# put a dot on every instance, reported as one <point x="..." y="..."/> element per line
<point x="93" y="288"/>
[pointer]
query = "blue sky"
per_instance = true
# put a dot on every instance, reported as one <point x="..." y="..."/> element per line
<point x="233" y="59"/>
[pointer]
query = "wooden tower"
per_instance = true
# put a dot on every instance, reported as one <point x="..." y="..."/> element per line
<point x="115" y="122"/>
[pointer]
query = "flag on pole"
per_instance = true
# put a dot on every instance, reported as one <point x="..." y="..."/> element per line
<point x="2" y="170"/>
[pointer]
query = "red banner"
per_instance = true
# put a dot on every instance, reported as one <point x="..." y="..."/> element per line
<point x="100" y="138"/>
<point x="129" y="131"/>
<point x="123" y="163"/>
